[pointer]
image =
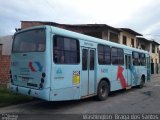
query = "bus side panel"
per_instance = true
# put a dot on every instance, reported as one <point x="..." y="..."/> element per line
<point x="118" y="77"/>
<point x="110" y="72"/>
<point x="62" y="84"/>
<point x="62" y="78"/>
<point x="137" y="73"/>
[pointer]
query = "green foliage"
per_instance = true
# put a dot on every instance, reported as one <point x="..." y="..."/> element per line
<point x="8" y="98"/>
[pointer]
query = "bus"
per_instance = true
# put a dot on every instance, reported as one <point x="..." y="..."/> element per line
<point x="54" y="64"/>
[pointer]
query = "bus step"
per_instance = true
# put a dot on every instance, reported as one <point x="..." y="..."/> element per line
<point x="128" y="87"/>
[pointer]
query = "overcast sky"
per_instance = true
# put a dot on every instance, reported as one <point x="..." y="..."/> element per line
<point x="142" y="16"/>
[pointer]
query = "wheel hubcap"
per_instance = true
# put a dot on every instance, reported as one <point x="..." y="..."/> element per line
<point x="103" y="91"/>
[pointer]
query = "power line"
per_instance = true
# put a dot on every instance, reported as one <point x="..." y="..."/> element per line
<point x="153" y="34"/>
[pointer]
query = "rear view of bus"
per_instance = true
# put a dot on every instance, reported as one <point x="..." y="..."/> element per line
<point x="28" y="73"/>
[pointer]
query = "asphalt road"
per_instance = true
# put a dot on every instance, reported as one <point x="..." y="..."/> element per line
<point x="145" y="100"/>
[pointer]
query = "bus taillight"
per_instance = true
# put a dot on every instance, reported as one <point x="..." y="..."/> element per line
<point x="42" y="80"/>
<point x="43" y="75"/>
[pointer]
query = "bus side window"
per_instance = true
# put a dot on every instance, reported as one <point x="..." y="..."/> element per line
<point x="65" y="50"/>
<point x="104" y="54"/>
<point x="136" y="58"/>
<point x="142" y="59"/>
<point x="117" y="56"/>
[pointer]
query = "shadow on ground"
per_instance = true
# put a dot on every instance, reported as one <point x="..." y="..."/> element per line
<point x="55" y="105"/>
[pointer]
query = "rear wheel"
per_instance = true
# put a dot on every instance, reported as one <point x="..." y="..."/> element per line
<point x="103" y="90"/>
<point x="141" y="85"/>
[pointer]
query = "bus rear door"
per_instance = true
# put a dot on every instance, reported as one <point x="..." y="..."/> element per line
<point x="128" y="69"/>
<point x="88" y="72"/>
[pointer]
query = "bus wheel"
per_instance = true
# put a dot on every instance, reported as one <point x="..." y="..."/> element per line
<point x="141" y="85"/>
<point x="103" y="90"/>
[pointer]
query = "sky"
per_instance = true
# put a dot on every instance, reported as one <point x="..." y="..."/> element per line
<point x="142" y="16"/>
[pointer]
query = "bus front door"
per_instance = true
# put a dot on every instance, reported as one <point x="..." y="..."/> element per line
<point x="128" y="69"/>
<point x="88" y="72"/>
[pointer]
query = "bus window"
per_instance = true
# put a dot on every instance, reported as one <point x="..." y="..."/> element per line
<point x="136" y="60"/>
<point x="120" y="57"/>
<point x="104" y="54"/>
<point x="84" y="59"/>
<point x="142" y="59"/>
<point x="117" y="56"/>
<point x="92" y="59"/>
<point x="66" y="50"/>
<point x="29" y="41"/>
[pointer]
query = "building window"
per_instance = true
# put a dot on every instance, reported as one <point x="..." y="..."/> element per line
<point x="155" y="60"/>
<point x="117" y="56"/>
<point x="132" y="42"/>
<point x="104" y="54"/>
<point x="113" y="37"/>
<point x="124" y="40"/>
<point x="151" y="60"/>
<point x="0" y="49"/>
<point x="65" y="50"/>
<point x="143" y="47"/>
<point x="153" y="48"/>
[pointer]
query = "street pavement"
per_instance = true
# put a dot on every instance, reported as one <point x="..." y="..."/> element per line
<point x="145" y="100"/>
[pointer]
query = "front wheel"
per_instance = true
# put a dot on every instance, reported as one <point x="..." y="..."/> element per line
<point x="103" y="90"/>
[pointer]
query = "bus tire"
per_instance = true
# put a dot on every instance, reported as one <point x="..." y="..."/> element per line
<point x="141" y="85"/>
<point x="103" y="90"/>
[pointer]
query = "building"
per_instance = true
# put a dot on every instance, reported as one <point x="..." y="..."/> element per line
<point x="124" y="36"/>
<point x="5" y="51"/>
<point x="128" y="37"/>
<point x="153" y="48"/>
<point x="6" y="45"/>
<point x="101" y="31"/>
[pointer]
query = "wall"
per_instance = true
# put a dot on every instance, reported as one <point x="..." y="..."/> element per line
<point x="4" y="69"/>
<point x="6" y="42"/>
<point x="29" y="24"/>
<point x="129" y="36"/>
<point x="155" y="55"/>
<point x="145" y="43"/>
<point x="105" y="35"/>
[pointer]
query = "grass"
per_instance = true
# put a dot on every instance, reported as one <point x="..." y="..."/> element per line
<point x="9" y="98"/>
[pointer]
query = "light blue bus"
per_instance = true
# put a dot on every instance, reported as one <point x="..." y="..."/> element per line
<point x="54" y="64"/>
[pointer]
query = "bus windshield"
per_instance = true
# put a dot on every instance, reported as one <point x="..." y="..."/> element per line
<point x="29" y="41"/>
